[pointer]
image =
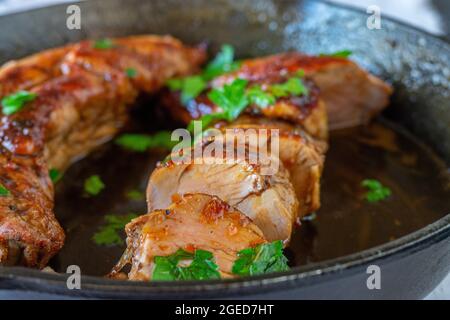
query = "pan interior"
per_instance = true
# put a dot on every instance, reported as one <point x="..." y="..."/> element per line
<point x="345" y="224"/>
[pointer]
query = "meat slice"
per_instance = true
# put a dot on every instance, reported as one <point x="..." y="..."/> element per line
<point x="308" y="111"/>
<point x="268" y="199"/>
<point x="302" y="156"/>
<point x="84" y="104"/>
<point x="193" y="221"/>
<point x="340" y="92"/>
<point x="352" y="95"/>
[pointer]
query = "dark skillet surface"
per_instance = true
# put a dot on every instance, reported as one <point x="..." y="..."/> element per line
<point x="415" y="63"/>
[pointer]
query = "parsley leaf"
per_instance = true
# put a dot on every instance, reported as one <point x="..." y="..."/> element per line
<point x="3" y="191"/>
<point x="377" y="191"/>
<point x="109" y="234"/>
<point x="104" y="44"/>
<point x="202" y="266"/>
<point x="231" y="98"/>
<point x="55" y="175"/>
<point x="14" y="102"/>
<point x="223" y="62"/>
<point x="264" y="258"/>
<point x="293" y="86"/>
<point x="190" y="87"/>
<point x="93" y="185"/>
<point x="337" y="54"/>
<point x="143" y="142"/>
<point x="260" y="97"/>
<point x="131" y="72"/>
<point x="135" y="195"/>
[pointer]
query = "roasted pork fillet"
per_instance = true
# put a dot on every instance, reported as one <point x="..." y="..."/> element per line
<point x="193" y="221"/>
<point x="82" y="97"/>
<point x="351" y="95"/>
<point x="268" y="199"/>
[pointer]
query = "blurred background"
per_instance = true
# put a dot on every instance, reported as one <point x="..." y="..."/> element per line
<point x="430" y="15"/>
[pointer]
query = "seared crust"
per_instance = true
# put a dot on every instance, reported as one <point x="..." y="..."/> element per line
<point x="350" y="94"/>
<point x="82" y="99"/>
<point x="193" y="221"/>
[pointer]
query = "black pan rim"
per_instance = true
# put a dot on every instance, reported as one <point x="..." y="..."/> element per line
<point x="302" y="275"/>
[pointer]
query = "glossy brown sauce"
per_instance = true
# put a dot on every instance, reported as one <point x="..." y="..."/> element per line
<point x="345" y="224"/>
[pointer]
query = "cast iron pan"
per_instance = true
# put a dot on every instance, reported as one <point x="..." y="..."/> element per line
<point x="408" y="148"/>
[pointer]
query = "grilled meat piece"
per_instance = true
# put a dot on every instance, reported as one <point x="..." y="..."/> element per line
<point x="352" y="95"/>
<point x="193" y="221"/>
<point x="82" y="97"/>
<point x="301" y="155"/>
<point x="262" y="191"/>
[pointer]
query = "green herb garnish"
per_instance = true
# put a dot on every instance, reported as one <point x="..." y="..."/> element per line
<point x="14" y="102"/>
<point x="222" y="63"/>
<point x="377" y="191"/>
<point x="93" y="185"/>
<point x="231" y="99"/>
<point x="104" y="44"/>
<point x="293" y="86"/>
<point x="260" y="97"/>
<point x="131" y="72"/>
<point x="55" y="175"/>
<point x="264" y="258"/>
<point x="109" y="234"/>
<point x="143" y="142"/>
<point x="338" y="54"/>
<point x="202" y="266"/>
<point x="190" y="87"/>
<point x="135" y="195"/>
<point x="3" y="191"/>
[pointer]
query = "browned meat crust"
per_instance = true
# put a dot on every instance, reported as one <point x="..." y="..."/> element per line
<point x="351" y="95"/>
<point x="193" y="221"/>
<point x="82" y="98"/>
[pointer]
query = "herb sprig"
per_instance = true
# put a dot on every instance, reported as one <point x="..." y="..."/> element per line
<point x="264" y="258"/>
<point x="103" y="44"/>
<point x="202" y="266"/>
<point x="109" y="234"/>
<point x="3" y="191"/>
<point x="338" y="54"/>
<point x="233" y="98"/>
<point x="55" y="175"/>
<point x="143" y="142"/>
<point x="190" y="87"/>
<point x="93" y="185"/>
<point x="16" y="101"/>
<point x="377" y="191"/>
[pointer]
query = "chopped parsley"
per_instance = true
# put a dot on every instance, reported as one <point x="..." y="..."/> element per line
<point x="231" y="99"/>
<point x="131" y="72"/>
<point x="190" y="87"/>
<point x="222" y="63"/>
<point x="377" y="191"/>
<point x="143" y="142"/>
<point x="3" y="191"/>
<point x="109" y="234"/>
<point x="93" y="185"/>
<point x="135" y="195"/>
<point x="55" y="175"/>
<point x="264" y="258"/>
<point x="14" y="102"/>
<point x="202" y="266"/>
<point x="104" y="44"/>
<point x="338" y="54"/>
<point x="293" y="86"/>
<point x="260" y="97"/>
